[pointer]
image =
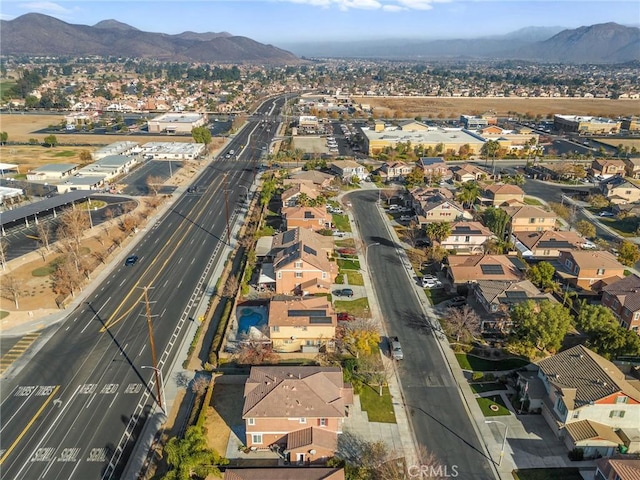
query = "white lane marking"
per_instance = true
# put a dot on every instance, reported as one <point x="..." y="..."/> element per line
<point x="122" y="283"/>
<point x="95" y="315"/>
<point x="69" y="455"/>
<point x="17" y="389"/>
<point x="97" y="455"/>
<point x="90" y="400"/>
<point x="142" y="349"/>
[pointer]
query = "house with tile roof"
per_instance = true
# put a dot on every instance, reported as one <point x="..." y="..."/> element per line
<point x="546" y="244"/>
<point x="464" y="269"/>
<point x="501" y="193"/>
<point x="301" y="263"/>
<point x="607" y="167"/>
<point x="530" y="218"/>
<point x="289" y="197"/>
<point x="498" y="297"/>
<point x="632" y="167"/>
<point x="298" y="410"/>
<point x="315" y="177"/>
<point x="302" y="324"/>
<point x="313" y="218"/>
<point x="618" y="189"/>
<point x="468" y="172"/>
<point x="590" y="270"/>
<point x="347" y="169"/>
<point x="436" y="205"/>
<point x="284" y="473"/>
<point x="587" y="399"/>
<point x="467" y="237"/>
<point x="612" y="468"/>
<point x="434" y="167"/>
<point x="622" y="297"/>
<point x="395" y="171"/>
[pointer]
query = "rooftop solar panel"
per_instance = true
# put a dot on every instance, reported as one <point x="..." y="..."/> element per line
<point x="320" y="320"/>
<point x="492" y="269"/>
<point x="307" y="313"/>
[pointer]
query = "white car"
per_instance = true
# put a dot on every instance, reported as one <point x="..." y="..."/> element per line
<point x="405" y="218"/>
<point x="431" y="283"/>
<point x="588" y="246"/>
<point x="606" y="214"/>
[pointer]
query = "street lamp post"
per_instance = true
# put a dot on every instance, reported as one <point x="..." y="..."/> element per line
<point x="366" y="253"/>
<point x="163" y="399"/>
<point x="504" y="439"/>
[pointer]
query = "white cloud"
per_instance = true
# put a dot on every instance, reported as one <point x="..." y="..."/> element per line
<point x="385" y="5"/>
<point x="44" y="7"/>
<point x="393" y="8"/>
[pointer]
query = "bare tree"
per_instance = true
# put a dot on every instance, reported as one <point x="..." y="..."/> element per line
<point x="375" y="371"/>
<point x="100" y="256"/>
<point x="66" y="279"/>
<point x="73" y="224"/>
<point x="387" y="195"/>
<point x="44" y="234"/>
<point x="200" y="384"/>
<point x="256" y="353"/>
<point x="154" y="183"/>
<point x="108" y="214"/>
<point x="3" y="252"/>
<point x="463" y="323"/>
<point x="12" y="289"/>
<point x="230" y="287"/>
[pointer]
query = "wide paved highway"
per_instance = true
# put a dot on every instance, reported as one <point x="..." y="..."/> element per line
<point x="75" y="409"/>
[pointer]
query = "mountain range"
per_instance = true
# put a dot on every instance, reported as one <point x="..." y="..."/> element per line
<point x="40" y="35"/>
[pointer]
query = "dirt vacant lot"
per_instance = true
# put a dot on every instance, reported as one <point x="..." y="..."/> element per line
<point x="438" y="107"/>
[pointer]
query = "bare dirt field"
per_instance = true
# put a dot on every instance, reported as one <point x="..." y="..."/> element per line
<point x="438" y="107"/>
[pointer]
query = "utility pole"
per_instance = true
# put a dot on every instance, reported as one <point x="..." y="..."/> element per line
<point x="226" y="208"/>
<point x="153" y="348"/>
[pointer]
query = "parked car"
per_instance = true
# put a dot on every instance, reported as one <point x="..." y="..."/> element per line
<point x="395" y="349"/>
<point x="405" y="218"/>
<point x="606" y="214"/>
<point x="131" y="260"/>
<point x="345" y="317"/>
<point x="431" y="284"/>
<point x="338" y="233"/>
<point x="347" y="251"/>
<point x="457" y="301"/>
<point x="344" y="292"/>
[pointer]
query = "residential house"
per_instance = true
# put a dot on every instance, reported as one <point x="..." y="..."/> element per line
<point x="301" y="265"/>
<point x="314" y="218"/>
<point x="434" y="167"/>
<point x="612" y="468"/>
<point x="467" y="237"/>
<point x="347" y="169"/>
<point x="290" y="196"/>
<point x="500" y="193"/>
<point x="546" y="244"/>
<point x="618" y="189"/>
<point x="463" y="269"/>
<point x="587" y="399"/>
<point x="468" y="173"/>
<point x="529" y="218"/>
<point x="395" y="171"/>
<point x="320" y="179"/>
<point x="622" y="297"/>
<point x="306" y="324"/>
<point x="284" y="473"/>
<point x="607" y="167"/>
<point x="498" y="297"/>
<point x="298" y="410"/>
<point x="632" y="167"/>
<point x="590" y="270"/>
<point x="436" y="205"/>
<point x="626" y="209"/>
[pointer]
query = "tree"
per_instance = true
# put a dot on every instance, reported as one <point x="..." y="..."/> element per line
<point x="561" y="210"/>
<point x="598" y="201"/>
<point x="4" y="244"/>
<point x="374" y="371"/>
<point x="4" y="137"/>
<point x="191" y="457"/>
<point x="73" y="223"/>
<point x="255" y="353"/>
<point x="468" y="193"/>
<point x="438" y="231"/>
<point x="496" y="220"/>
<point x="628" y="253"/>
<point x="12" y="289"/>
<point x="154" y="183"/>
<point x="85" y="156"/>
<point x="606" y="336"/>
<point x="201" y="135"/>
<point x="586" y="229"/>
<point x="490" y="149"/>
<point x="462" y="323"/>
<point x="359" y="337"/>
<point x="542" y="325"/>
<point x="541" y="275"/>
<point x="50" y="140"/>
<point x="415" y="177"/>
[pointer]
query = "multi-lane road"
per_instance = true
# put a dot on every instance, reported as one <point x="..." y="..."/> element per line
<point x="74" y="409"/>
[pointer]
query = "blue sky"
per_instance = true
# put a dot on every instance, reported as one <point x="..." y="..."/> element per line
<point x="287" y="21"/>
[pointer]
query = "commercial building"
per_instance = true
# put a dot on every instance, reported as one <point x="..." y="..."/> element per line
<point x="174" y="123"/>
<point x="585" y="124"/>
<point x="451" y="140"/>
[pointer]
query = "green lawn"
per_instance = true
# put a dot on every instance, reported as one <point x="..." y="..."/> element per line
<point x="346" y="243"/>
<point x="479" y="364"/>
<point x="532" y="201"/>
<point x="358" y="308"/>
<point x="3" y="314"/>
<point x="486" y="403"/>
<point x="379" y="408"/>
<point x="348" y="264"/>
<point x="65" y="153"/>
<point x="354" y="278"/>
<point x="625" y="227"/>
<point x="341" y="222"/>
<point x="547" y="474"/>
<point x="437" y="295"/>
<point x="487" y="387"/>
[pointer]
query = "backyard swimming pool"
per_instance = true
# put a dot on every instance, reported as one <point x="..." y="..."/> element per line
<point x="250" y="317"/>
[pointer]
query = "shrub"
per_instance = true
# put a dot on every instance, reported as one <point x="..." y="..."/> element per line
<point x="477" y="376"/>
<point x="576" y="455"/>
<point x="489" y="377"/>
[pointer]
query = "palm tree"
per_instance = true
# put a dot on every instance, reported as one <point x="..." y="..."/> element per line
<point x="468" y="194"/>
<point x="490" y="149"/>
<point x="438" y="231"/>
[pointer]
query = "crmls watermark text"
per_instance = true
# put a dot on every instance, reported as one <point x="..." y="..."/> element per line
<point x="432" y="471"/>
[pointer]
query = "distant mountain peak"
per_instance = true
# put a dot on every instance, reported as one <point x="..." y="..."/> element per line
<point x="115" y="24"/>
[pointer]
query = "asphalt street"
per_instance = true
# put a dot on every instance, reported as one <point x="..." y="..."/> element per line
<point x="437" y="413"/>
<point x="74" y="408"/>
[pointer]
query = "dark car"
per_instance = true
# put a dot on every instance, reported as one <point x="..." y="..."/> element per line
<point x="458" y="302"/>
<point x="345" y="292"/>
<point x="131" y="260"/>
<point x="345" y="317"/>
